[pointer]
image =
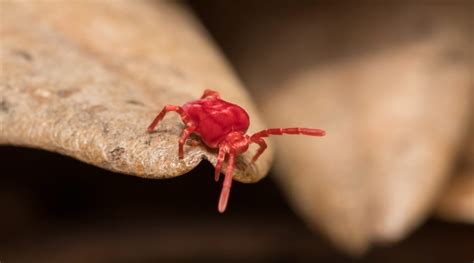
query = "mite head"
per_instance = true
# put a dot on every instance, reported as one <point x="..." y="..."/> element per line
<point x="237" y="142"/>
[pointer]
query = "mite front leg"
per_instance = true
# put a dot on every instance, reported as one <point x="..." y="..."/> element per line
<point x="224" y="198"/>
<point x="220" y="160"/>
<point x="261" y="149"/>
<point x="294" y="131"/>
<point x="182" y="140"/>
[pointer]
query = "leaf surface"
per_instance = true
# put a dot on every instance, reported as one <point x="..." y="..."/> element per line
<point x="85" y="79"/>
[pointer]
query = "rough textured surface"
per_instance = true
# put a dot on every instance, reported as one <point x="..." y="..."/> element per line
<point x="394" y="103"/>
<point x="86" y="78"/>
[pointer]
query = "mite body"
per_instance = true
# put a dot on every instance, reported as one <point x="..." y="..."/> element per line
<point x="223" y="125"/>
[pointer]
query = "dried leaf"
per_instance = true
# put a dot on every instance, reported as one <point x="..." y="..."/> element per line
<point x="457" y="200"/>
<point x="86" y="78"/>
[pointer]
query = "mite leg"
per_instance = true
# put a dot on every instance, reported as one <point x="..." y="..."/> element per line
<point x="184" y="117"/>
<point x="225" y="192"/>
<point x="220" y="160"/>
<point x="281" y="131"/>
<point x="261" y="149"/>
<point x="210" y="93"/>
<point x="163" y="112"/>
<point x="184" y="136"/>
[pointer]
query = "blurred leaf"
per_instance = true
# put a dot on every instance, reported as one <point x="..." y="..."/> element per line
<point x="391" y="85"/>
<point x="457" y="200"/>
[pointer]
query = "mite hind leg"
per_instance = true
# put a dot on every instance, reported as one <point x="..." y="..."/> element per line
<point x="184" y="117"/>
<point x="166" y="109"/>
<point x="210" y="94"/>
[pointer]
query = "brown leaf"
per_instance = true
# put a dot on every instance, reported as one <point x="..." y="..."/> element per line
<point x="391" y="86"/>
<point x="457" y="199"/>
<point x="86" y="78"/>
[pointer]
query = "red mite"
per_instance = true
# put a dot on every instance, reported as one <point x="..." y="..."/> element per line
<point x="223" y="125"/>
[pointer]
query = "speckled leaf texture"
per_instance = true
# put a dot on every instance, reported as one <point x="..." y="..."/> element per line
<point x="86" y="78"/>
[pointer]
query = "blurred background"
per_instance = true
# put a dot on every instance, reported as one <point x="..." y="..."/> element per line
<point x="57" y="209"/>
<point x="391" y="83"/>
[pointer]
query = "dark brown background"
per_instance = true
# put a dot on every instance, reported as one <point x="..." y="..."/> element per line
<point x="56" y="209"/>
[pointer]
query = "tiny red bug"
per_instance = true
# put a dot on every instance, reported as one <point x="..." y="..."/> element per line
<point x="223" y="125"/>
